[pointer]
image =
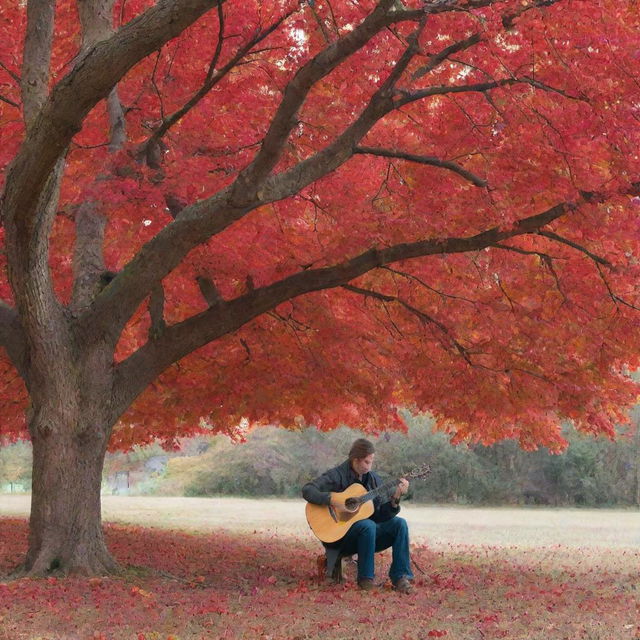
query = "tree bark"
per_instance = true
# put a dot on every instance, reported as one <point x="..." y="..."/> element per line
<point x="65" y="524"/>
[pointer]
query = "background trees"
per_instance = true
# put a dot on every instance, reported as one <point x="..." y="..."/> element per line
<point x="592" y="472"/>
<point x="310" y="213"/>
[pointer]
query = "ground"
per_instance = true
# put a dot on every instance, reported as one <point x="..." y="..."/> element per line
<point x="237" y="582"/>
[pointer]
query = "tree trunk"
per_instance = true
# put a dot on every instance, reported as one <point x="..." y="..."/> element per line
<point x="65" y="524"/>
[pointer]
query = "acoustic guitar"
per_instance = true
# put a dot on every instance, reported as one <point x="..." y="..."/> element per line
<point x="330" y="524"/>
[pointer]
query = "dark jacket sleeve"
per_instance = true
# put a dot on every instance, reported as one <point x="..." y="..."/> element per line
<point x="318" y="491"/>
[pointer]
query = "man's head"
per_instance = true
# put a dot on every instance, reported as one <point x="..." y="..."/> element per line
<point x="361" y="456"/>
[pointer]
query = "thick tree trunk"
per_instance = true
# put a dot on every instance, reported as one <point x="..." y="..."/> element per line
<point x="65" y="525"/>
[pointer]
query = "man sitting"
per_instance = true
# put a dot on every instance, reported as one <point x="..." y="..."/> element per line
<point x="382" y="530"/>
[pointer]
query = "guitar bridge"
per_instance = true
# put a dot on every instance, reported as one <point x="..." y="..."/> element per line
<point x="332" y="513"/>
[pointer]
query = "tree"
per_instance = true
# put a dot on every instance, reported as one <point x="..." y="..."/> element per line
<point x="305" y="212"/>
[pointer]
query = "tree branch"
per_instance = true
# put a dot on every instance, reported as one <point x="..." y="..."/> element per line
<point x="13" y="74"/>
<point x="439" y="58"/>
<point x="422" y="283"/>
<point x="156" y="312"/>
<point x="441" y="90"/>
<point x="427" y="160"/>
<point x="12" y="338"/>
<point x="425" y="318"/>
<point x="481" y="87"/>
<point x="177" y="341"/>
<point x="198" y="222"/>
<point x="212" y="79"/>
<point x="209" y="291"/>
<point x="508" y="20"/>
<point x="614" y="296"/>
<point x="88" y="258"/>
<point x="596" y="258"/>
<point x="248" y="183"/>
<point x="291" y="181"/>
<point x="546" y="259"/>
<point x="92" y="78"/>
<point x="36" y="62"/>
<point x="9" y="101"/>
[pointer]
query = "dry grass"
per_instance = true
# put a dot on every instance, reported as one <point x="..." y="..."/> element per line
<point x="439" y="526"/>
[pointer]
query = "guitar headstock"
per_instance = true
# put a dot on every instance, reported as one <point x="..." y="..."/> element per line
<point x="419" y="472"/>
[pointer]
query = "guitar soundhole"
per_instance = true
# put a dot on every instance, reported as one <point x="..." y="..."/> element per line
<point x="351" y="504"/>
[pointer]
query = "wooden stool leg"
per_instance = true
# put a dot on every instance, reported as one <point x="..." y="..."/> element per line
<point x="334" y="564"/>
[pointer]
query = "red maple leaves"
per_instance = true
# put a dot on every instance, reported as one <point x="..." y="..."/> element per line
<point x="522" y="109"/>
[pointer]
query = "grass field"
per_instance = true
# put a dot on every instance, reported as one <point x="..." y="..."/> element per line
<point x="235" y="568"/>
<point x="435" y="525"/>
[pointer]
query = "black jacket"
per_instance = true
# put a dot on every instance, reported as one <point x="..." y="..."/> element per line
<point x="338" y="479"/>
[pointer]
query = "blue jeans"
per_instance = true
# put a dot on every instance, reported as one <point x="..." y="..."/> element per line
<point x="366" y="537"/>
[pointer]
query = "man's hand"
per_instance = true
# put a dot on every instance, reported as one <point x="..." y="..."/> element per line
<point x="402" y="488"/>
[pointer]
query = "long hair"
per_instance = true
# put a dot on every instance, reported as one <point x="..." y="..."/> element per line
<point x="361" y="448"/>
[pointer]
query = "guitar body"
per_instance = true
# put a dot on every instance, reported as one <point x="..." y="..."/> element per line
<point x="329" y="524"/>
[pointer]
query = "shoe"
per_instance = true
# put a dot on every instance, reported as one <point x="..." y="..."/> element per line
<point x="403" y="585"/>
<point x="366" y="584"/>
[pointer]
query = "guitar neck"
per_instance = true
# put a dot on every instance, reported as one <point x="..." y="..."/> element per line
<point x="418" y="472"/>
<point x="373" y="493"/>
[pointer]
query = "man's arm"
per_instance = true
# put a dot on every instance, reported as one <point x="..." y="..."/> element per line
<point x="318" y="491"/>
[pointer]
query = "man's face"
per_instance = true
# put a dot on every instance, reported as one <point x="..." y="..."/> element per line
<point x="363" y="465"/>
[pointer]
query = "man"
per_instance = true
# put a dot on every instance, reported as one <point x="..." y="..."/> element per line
<point x="382" y="530"/>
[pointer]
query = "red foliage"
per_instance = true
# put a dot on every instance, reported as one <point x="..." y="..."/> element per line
<point x="226" y="585"/>
<point x="503" y="342"/>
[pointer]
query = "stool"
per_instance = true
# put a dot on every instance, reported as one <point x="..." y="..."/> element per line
<point x="330" y="564"/>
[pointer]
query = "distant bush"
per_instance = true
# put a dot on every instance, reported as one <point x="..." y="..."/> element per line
<point x="275" y="462"/>
<point x="591" y="472"/>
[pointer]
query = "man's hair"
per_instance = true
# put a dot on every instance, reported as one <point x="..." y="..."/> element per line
<point x="361" y="448"/>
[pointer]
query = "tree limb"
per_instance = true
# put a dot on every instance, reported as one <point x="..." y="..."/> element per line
<point x="425" y="318"/>
<point x="439" y="58"/>
<point x="596" y="258"/>
<point x="156" y="312"/>
<point x="9" y="101"/>
<point x="546" y="259"/>
<point x="614" y="296"/>
<point x="177" y="341"/>
<point x="481" y="87"/>
<point x="213" y="78"/>
<point x="12" y="338"/>
<point x="36" y="61"/>
<point x="13" y="74"/>
<point x="427" y="160"/>
<point x="295" y="93"/>
<point x="88" y="258"/>
<point x="508" y="20"/>
<point x="209" y="291"/>
<point x="291" y="181"/>
<point x="421" y="282"/>
<point x="91" y="79"/>
<point x="198" y="222"/>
